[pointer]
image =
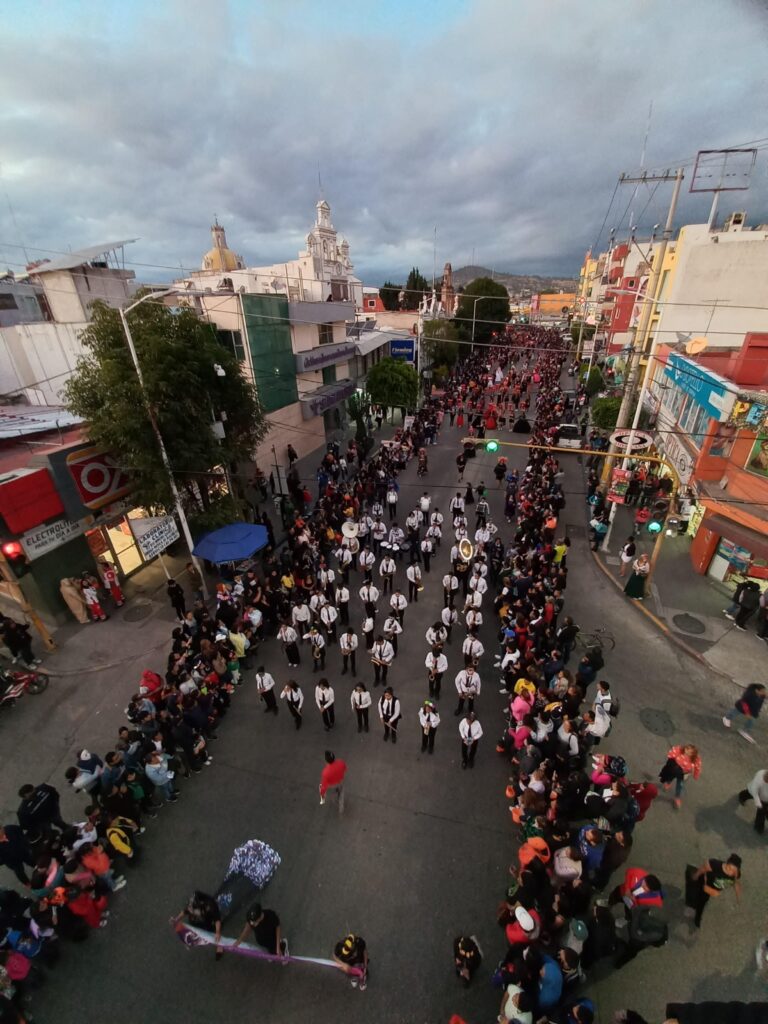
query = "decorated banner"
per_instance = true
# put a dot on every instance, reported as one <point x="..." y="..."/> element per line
<point x="748" y="414"/>
<point x="192" y="937"/>
<point x="619" y="483"/>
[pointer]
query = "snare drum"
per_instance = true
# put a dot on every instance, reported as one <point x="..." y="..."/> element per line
<point x="386" y="545"/>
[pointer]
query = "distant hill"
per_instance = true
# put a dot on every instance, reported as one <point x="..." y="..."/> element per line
<point x="517" y="284"/>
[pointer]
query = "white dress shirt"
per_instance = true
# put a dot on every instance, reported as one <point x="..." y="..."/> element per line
<point x="391" y="627"/>
<point x="264" y="681"/>
<point x="388" y="566"/>
<point x="436" y="663"/>
<point x="473" y="647"/>
<point x="294" y="697"/>
<point x="470" y="732"/>
<point x="360" y="700"/>
<point x="428" y="719"/>
<point x="324" y="695"/>
<point x="413" y="572"/>
<point x="389" y="709"/>
<point x="449" y="616"/>
<point x="435" y="636"/>
<point x="468" y="685"/>
<point x="473" y="618"/>
<point x="348" y="642"/>
<point x="369" y="593"/>
<point x="384" y="651"/>
<point x="398" y="602"/>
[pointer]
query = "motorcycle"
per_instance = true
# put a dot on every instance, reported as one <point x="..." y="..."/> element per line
<point x="15" y="684"/>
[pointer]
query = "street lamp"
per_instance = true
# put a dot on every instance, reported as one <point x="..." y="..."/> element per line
<point x="156" y="428"/>
<point x="474" y="312"/>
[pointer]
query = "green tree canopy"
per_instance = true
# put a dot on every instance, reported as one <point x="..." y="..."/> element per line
<point x="393" y="382"/>
<point x="388" y="293"/>
<point x="415" y="287"/>
<point x="441" y="339"/>
<point x="588" y="332"/>
<point x="605" y="412"/>
<point x="491" y="312"/>
<point x="178" y="354"/>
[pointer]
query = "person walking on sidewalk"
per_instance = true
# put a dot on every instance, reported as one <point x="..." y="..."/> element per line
<point x="361" y="702"/>
<point x="758" y="791"/>
<point x="332" y="777"/>
<point x="16" y="638"/>
<point x="635" y="587"/>
<point x="429" y="719"/>
<point x="294" y="698"/>
<point x="681" y="762"/>
<point x="746" y="600"/>
<point x="711" y="879"/>
<point x="746" y="710"/>
<point x="626" y="556"/>
<point x="177" y="599"/>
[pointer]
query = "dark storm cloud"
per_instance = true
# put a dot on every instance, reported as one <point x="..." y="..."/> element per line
<point x="505" y="123"/>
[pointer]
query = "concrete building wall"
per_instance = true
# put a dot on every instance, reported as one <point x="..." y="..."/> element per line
<point x="717" y="286"/>
<point x="38" y="359"/>
<point x="69" y="293"/>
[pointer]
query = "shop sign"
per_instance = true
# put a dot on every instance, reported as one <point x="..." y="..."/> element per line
<point x="747" y="414"/>
<point x="738" y="557"/>
<point x="47" y="538"/>
<point x="403" y="349"/>
<point x="674" y="451"/>
<point x="758" y="457"/>
<point x="98" y="479"/>
<point x="325" y="398"/>
<point x="154" y="534"/>
<point x="631" y="441"/>
<point x="619" y="484"/>
<point x="326" y="355"/>
<point x="708" y="390"/>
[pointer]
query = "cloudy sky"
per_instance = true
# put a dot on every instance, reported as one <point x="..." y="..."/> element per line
<point x="503" y="123"/>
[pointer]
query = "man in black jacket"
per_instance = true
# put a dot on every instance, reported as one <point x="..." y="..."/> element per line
<point x="39" y="811"/>
<point x="15" y="852"/>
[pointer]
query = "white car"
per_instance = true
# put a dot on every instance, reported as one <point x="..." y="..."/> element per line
<point x="569" y="436"/>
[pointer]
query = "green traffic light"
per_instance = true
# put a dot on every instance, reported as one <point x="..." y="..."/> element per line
<point x="653" y="527"/>
<point x="492" y="446"/>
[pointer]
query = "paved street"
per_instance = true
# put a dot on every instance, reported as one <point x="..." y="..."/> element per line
<point x="422" y="851"/>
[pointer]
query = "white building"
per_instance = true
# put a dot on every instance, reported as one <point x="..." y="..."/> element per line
<point x="40" y="349"/>
<point x="715" y="285"/>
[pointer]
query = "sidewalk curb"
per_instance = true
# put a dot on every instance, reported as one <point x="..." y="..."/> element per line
<point x="660" y="624"/>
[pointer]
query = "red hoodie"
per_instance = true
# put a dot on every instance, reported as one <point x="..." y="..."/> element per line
<point x="332" y="775"/>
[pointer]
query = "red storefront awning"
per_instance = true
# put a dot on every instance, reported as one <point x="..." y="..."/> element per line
<point x="754" y="542"/>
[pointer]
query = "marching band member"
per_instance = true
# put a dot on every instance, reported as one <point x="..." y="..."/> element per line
<point x="398" y="604"/>
<point x="382" y="655"/>
<point x="467" y="687"/>
<point x="429" y="720"/>
<point x="361" y="702"/>
<point x="289" y="638"/>
<point x="389" y="713"/>
<point x="348" y="644"/>
<point x="392" y="630"/>
<point x="317" y="646"/>
<point x="294" y="698"/>
<point x="436" y="663"/>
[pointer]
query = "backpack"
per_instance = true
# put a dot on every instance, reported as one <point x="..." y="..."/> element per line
<point x="615" y="708"/>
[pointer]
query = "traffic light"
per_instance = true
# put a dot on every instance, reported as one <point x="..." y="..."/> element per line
<point x="658" y="515"/>
<point x="15" y="557"/>
<point x="492" y="445"/>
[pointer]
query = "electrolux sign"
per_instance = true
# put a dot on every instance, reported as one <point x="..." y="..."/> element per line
<point x="326" y="355"/>
<point x="707" y="389"/>
<point x="402" y="349"/>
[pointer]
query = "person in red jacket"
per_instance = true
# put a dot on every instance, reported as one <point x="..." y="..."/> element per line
<point x="524" y="929"/>
<point x="682" y="761"/>
<point x="332" y="777"/>
<point x="639" y="889"/>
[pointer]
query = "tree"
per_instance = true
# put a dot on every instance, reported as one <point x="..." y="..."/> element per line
<point x="178" y="354"/>
<point x="415" y="287"/>
<point x="440" y="341"/>
<point x="594" y="382"/>
<point x="605" y="412"/>
<point x="393" y="382"/>
<point x="359" y="408"/>
<point x="587" y="334"/>
<point x="490" y="314"/>
<point x="389" y="295"/>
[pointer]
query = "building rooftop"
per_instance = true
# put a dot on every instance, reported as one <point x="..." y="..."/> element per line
<point x="80" y="256"/>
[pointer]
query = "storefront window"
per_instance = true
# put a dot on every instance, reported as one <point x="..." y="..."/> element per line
<point x="114" y="542"/>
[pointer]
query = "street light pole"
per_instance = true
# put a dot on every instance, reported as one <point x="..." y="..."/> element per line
<point x="474" y="312"/>
<point x="156" y="428"/>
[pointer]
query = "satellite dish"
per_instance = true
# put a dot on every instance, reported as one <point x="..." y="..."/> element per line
<point x="695" y="345"/>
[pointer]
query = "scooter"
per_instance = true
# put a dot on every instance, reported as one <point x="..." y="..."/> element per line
<point x="15" y="684"/>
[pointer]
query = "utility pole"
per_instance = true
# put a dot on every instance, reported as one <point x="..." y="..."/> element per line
<point x="639" y="335"/>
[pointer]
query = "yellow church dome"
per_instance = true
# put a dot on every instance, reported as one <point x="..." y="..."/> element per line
<point x="220" y="258"/>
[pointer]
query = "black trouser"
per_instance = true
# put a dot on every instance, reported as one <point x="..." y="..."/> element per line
<point x="426" y="555"/>
<point x="413" y="591"/>
<point x="362" y="719"/>
<point x="344" y="612"/>
<point x="464" y="578"/>
<point x="296" y="714"/>
<point x="468" y="751"/>
<point x="393" y="640"/>
<point x="470" y="704"/>
<point x="434" y="685"/>
<point x="268" y="696"/>
<point x="392" y="506"/>
<point x="329" y="717"/>
<point x="346" y="659"/>
<point x="743" y="614"/>
<point x="387" y="585"/>
<point x="759" y="825"/>
<point x="180" y="607"/>
<point x="292" y="654"/>
<point x="379" y="673"/>
<point x="390" y="729"/>
<point x="330" y="632"/>
<point x="370" y="610"/>
<point x="428" y="739"/>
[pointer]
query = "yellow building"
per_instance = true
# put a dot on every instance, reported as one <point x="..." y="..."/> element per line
<point x="553" y="304"/>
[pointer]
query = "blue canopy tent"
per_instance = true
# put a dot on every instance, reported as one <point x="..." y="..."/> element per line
<point x="232" y="543"/>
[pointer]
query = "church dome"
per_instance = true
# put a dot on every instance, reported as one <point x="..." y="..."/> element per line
<point x="220" y="257"/>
